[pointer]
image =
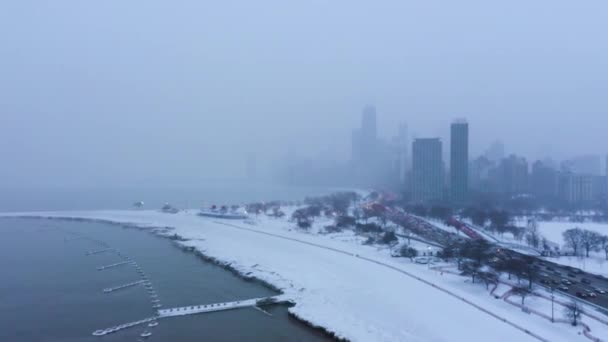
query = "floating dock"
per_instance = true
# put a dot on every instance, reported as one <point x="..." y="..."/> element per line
<point x="99" y="251"/>
<point x="196" y="309"/>
<point x="114" y="329"/>
<point x="124" y="286"/>
<point x="101" y="268"/>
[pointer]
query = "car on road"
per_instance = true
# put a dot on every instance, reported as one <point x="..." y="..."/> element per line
<point x="581" y="294"/>
<point x="555" y="282"/>
<point x="585" y="281"/>
<point x="566" y="282"/>
<point x="563" y="288"/>
<point x="545" y="281"/>
<point x="571" y="275"/>
<point x="421" y="260"/>
<point x="549" y="268"/>
<point x="591" y="294"/>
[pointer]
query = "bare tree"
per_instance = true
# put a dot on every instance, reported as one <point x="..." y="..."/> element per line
<point x="533" y="238"/>
<point x="489" y="277"/>
<point x="604" y="244"/>
<point x="573" y="239"/>
<point x="408" y="252"/>
<point x="499" y="218"/>
<point x="479" y="217"/>
<point x="383" y="219"/>
<point x="521" y="291"/>
<point x="590" y="241"/>
<point x="573" y="312"/>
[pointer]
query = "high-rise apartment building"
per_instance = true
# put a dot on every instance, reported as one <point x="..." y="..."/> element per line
<point x="459" y="161"/>
<point x="427" y="172"/>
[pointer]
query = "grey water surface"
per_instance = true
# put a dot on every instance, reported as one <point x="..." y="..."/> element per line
<point x="50" y="290"/>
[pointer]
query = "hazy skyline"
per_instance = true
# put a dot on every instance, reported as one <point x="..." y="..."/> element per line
<point x="139" y="92"/>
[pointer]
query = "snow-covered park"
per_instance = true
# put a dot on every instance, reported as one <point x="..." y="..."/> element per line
<point x="595" y="263"/>
<point x="553" y="230"/>
<point x="357" y="292"/>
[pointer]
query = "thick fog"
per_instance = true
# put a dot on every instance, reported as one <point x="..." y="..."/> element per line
<point x="146" y="92"/>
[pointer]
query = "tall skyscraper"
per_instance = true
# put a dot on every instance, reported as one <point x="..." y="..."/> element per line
<point x="365" y="139"/>
<point x="365" y="149"/>
<point x="459" y="161"/>
<point x="427" y="172"/>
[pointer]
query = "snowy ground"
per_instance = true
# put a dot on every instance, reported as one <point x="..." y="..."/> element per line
<point x="357" y="292"/>
<point x="553" y="230"/>
<point x="596" y="263"/>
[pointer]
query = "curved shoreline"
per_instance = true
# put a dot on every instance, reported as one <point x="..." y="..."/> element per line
<point x="178" y="241"/>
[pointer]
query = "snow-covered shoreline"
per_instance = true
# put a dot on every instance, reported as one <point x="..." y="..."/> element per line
<point x="332" y="286"/>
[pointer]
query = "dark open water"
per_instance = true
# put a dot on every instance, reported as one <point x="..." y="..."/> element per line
<point x="51" y="291"/>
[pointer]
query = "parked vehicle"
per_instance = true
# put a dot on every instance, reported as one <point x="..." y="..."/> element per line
<point x="563" y="288"/>
<point x="571" y="275"/>
<point x="585" y="281"/>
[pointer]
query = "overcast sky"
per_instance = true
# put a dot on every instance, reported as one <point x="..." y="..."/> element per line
<point x="125" y="92"/>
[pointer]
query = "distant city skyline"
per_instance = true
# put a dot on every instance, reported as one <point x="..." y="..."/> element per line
<point x="203" y="85"/>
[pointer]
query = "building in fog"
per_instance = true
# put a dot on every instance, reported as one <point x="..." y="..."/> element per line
<point x="427" y="170"/>
<point x="512" y="175"/>
<point x="496" y="152"/>
<point x="402" y="152"/>
<point x="479" y="174"/>
<point x="398" y="157"/>
<point x="365" y="149"/>
<point x="586" y="164"/>
<point x="459" y="161"/>
<point x="544" y="180"/>
<point x="576" y="188"/>
<point x="365" y="138"/>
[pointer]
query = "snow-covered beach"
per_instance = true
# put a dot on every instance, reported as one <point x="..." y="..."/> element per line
<point x="353" y="291"/>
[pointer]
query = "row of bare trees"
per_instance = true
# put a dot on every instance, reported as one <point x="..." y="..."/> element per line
<point x="583" y="241"/>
